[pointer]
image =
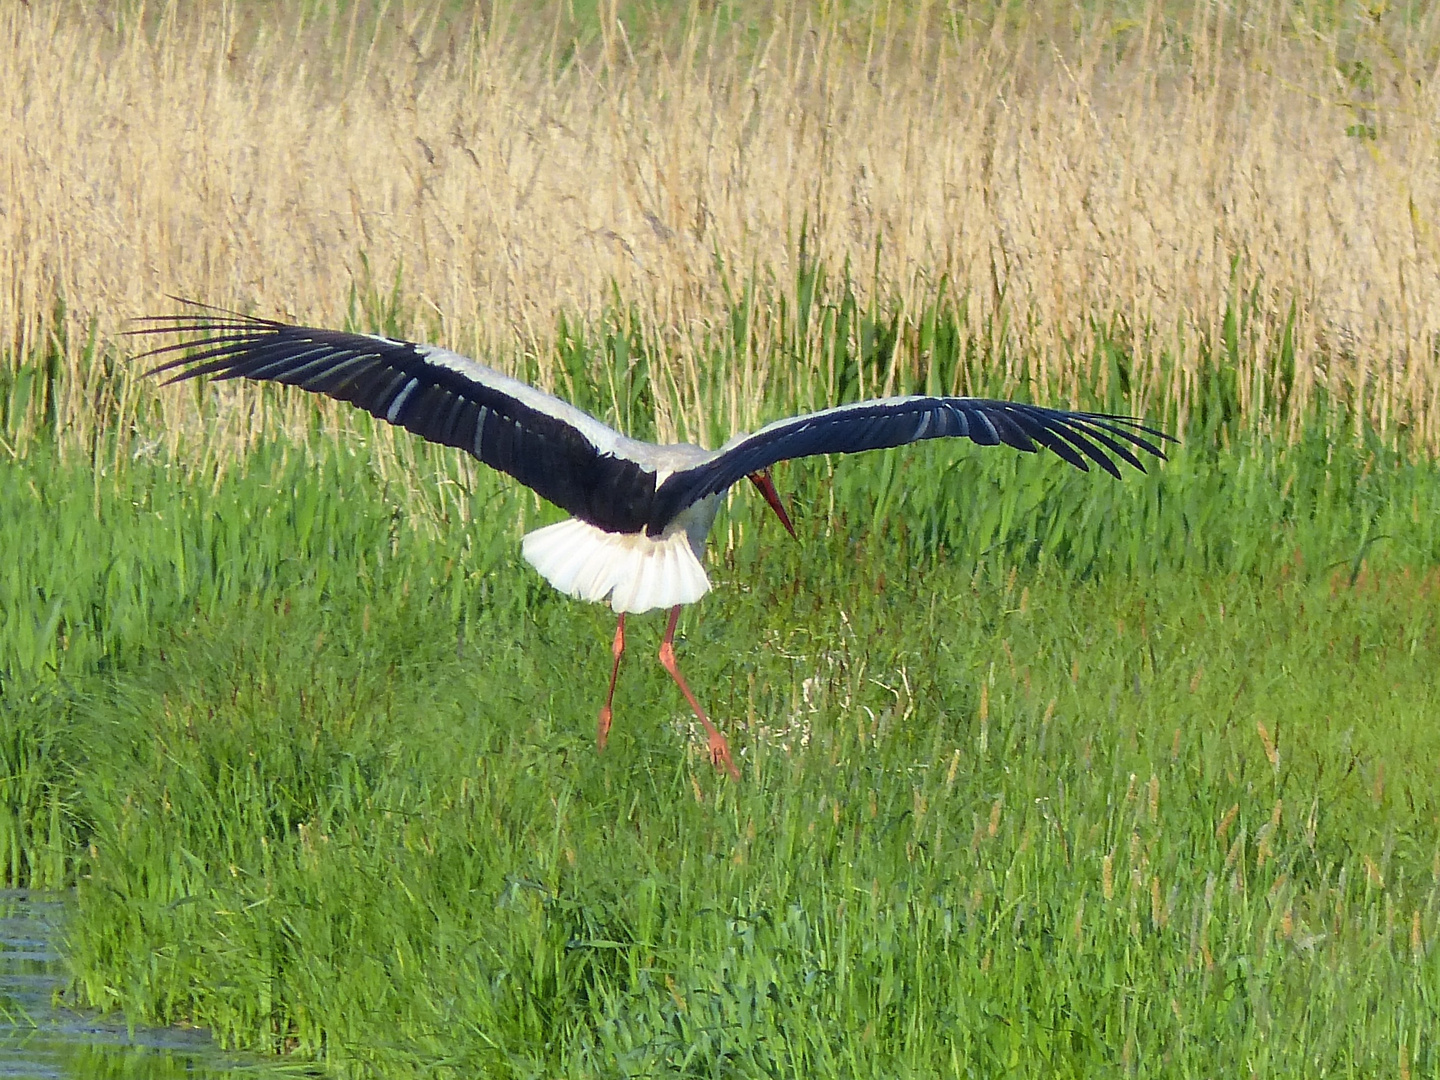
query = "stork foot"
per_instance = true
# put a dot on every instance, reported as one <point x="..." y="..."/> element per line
<point x="720" y="751"/>
<point x="602" y="732"/>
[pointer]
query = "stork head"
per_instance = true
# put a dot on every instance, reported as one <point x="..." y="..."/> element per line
<point x="762" y="481"/>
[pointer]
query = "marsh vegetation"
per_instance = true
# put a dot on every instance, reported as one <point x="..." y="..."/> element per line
<point x="1044" y="773"/>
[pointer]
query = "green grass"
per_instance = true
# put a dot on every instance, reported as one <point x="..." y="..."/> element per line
<point x="322" y="769"/>
<point x="1045" y="773"/>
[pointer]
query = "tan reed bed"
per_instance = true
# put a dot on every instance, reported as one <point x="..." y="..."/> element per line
<point x="1127" y="169"/>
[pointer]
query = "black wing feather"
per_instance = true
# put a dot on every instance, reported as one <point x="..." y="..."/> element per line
<point x="1080" y="438"/>
<point x="555" y="449"/>
<point x="544" y="443"/>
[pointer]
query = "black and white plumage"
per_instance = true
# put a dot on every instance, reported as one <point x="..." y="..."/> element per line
<point x="640" y="512"/>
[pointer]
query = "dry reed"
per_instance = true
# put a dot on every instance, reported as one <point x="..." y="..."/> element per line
<point x="1144" y="175"/>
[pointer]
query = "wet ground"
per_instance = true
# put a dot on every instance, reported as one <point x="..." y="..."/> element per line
<point x="40" y="1039"/>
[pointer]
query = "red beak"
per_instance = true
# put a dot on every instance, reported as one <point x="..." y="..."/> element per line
<point x="767" y="488"/>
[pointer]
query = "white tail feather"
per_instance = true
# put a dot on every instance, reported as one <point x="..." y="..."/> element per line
<point x="633" y="571"/>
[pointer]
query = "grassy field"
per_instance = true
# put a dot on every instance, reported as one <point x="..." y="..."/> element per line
<point x="326" y="781"/>
<point x="1044" y="773"/>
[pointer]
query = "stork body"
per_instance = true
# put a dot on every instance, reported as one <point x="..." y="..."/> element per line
<point x="640" y="511"/>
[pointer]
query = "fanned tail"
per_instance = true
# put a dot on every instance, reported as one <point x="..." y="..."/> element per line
<point x="633" y="571"/>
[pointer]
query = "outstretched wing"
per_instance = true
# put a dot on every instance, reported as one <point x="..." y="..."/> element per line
<point x="1079" y="437"/>
<point x="561" y="452"/>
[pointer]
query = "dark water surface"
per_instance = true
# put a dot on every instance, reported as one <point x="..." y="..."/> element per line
<point x="40" y="1039"/>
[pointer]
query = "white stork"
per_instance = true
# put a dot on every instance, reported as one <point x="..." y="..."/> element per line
<point x="641" y="511"/>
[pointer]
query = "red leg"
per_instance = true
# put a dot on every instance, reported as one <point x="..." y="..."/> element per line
<point x="719" y="748"/>
<point x="618" y="649"/>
